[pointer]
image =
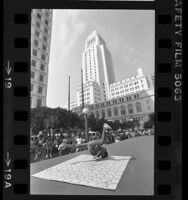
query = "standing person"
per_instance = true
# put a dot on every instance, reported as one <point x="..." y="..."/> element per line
<point x="49" y="145"/>
<point x="34" y="146"/>
<point x="40" y="143"/>
<point x="95" y="146"/>
<point x="56" y="142"/>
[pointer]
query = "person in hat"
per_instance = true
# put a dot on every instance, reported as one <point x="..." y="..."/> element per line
<point x="96" y="147"/>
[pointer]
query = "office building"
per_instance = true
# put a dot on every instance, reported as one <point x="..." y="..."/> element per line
<point x="97" y="64"/>
<point x="41" y="27"/>
<point x="130" y="85"/>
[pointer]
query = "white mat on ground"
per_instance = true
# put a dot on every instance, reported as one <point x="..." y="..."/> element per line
<point x="83" y="170"/>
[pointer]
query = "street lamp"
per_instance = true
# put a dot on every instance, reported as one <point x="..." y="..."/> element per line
<point x="86" y="112"/>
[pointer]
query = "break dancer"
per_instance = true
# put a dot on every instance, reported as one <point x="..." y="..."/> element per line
<point x="95" y="146"/>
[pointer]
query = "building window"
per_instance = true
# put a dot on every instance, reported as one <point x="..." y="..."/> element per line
<point x="46" y="22"/>
<point x="109" y="112"/>
<point x="46" y="30"/>
<point x="97" y="106"/>
<point x="138" y="107"/>
<point x="42" y="67"/>
<point x="33" y="63"/>
<point x="45" y="38"/>
<point x="130" y="108"/>
<point x="97" y="114"/>
<point x="44" y="47"/>
<point x="34" y="52"/>
<point x="115" y="111"/>
<point x="103" y="113"/>
<point x="32" y="75"/>
<point x="38" y="24"/>
<point x="36" y="42"/>
<point x="38" y="16"/>
<point x="39" y="102"/>
<point x="43" y="56"/>
<point x="37" y="33"/>
<point x="122" y="110"/>
<point x="41" y="78"/>
<point x="40" y="89"/>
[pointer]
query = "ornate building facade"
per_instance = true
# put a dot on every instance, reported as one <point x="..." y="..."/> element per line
<point x="135" y="106"/>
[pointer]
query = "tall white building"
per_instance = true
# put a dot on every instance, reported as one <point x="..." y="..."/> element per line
<point x="41" y="25"/>
<point x="130" y="85"/>
<point x="97" y="64"/>
<point x="91" y="95"/>
<point x="98" y="76"/>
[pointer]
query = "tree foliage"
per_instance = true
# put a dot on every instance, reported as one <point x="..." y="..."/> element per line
<point x="55" y="118"/>
<point x="150" y="122"/>
<point x="70" y="122"/>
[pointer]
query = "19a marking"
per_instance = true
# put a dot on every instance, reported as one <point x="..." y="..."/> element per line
<point x="8" y="172"/>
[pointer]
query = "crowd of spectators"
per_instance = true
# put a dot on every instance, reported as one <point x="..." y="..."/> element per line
<point x="52" y="143"/>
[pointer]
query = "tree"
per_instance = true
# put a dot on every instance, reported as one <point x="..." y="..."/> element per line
<point x="56" y="118"/>
<point x="92" y="122"/>
<point x="150" y="122"/>
<point x="116" y="125"/>
<point x="38" y="117"/>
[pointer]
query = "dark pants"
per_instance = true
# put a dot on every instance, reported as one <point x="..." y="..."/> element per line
<point x="99" y="141"/>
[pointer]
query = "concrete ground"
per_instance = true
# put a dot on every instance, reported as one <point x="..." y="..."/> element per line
<point x="137" y="179"/>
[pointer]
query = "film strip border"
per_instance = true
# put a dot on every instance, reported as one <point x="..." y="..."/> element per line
<point x="16" y="114"/>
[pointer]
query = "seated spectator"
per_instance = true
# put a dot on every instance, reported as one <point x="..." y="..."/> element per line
<point x="41" y="142"/>
<point x="35" y="147"/>
<point x="48" y="146"/>
<point x="56" y="142"/>
<point x="33" y="144"/>
<point x="63" y="146"/>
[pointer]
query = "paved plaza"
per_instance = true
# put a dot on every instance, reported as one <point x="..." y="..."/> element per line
<point x="137" y="177"/>
<point x="83" y="170"/>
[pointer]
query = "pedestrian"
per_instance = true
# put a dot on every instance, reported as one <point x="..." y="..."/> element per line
<point x="49" y="145"/>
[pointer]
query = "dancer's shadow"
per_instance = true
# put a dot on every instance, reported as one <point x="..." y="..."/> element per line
<point x="102" y="159"/>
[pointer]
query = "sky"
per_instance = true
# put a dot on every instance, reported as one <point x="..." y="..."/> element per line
<point x="129" y="36"/>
